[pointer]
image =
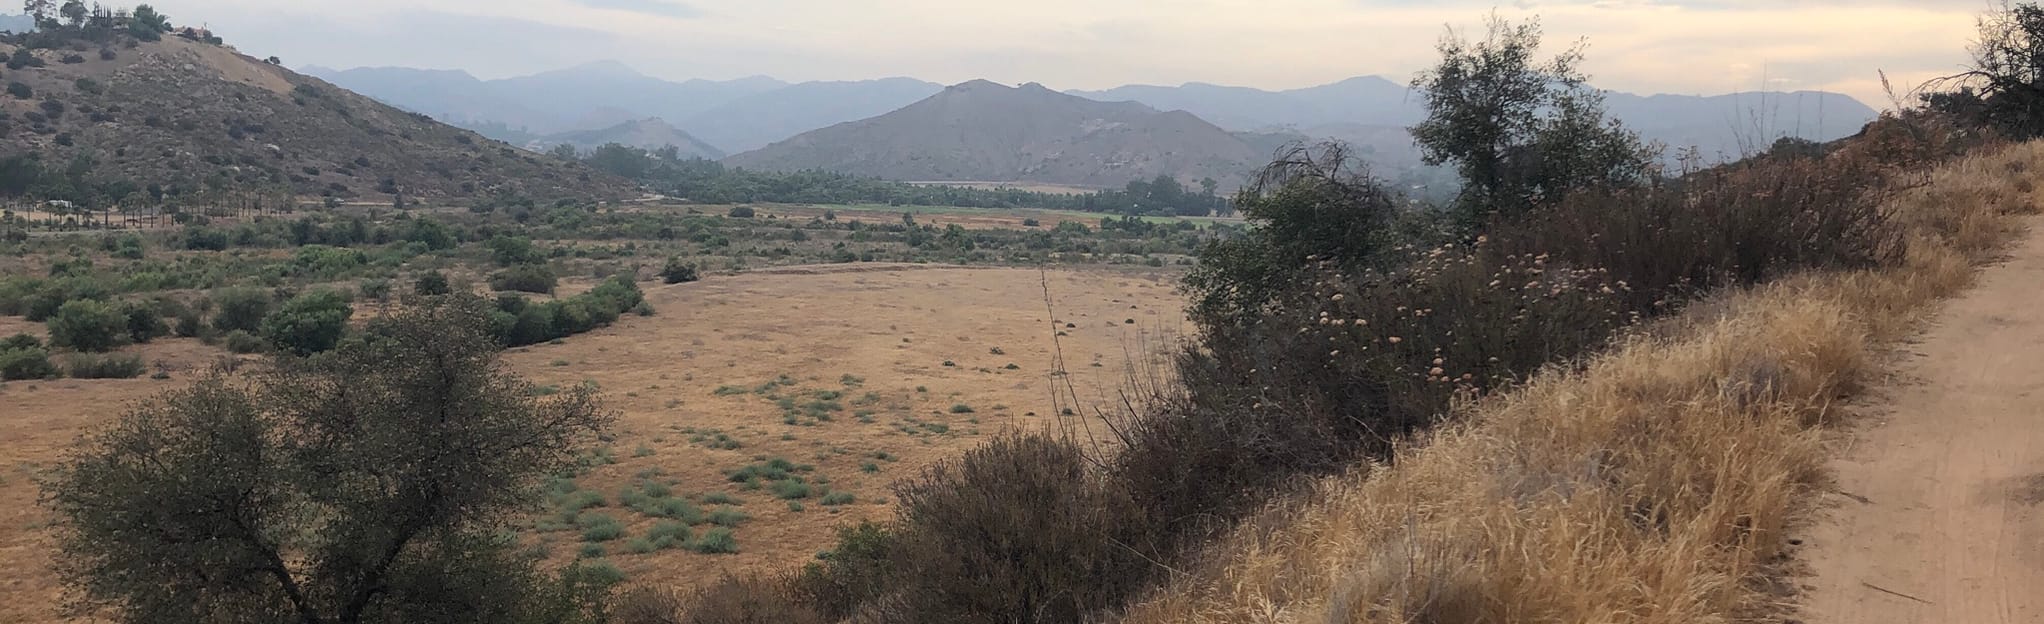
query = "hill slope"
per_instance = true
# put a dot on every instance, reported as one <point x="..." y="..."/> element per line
<point x="180" y="113"/>
<point x="984" y="132"/>
<point x="1718" y="125"/>
<point x="585" y="97"/>
<point x="649" y="134"/>
<point x="756" y="120"/>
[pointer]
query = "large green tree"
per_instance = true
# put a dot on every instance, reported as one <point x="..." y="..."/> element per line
<point x="1519" y="130"/>
<point x="372" y="484"/>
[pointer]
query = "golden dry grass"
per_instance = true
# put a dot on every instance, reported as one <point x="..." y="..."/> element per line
<point x="1653" y="484"/>
<point x="891" y="326"/>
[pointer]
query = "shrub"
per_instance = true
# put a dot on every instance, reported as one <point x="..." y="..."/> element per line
<point x="732" y="600"/>
<point x="431" y="283"/>
<point x="741" y="212"/>
<point x="106" y="366"/>
<point x="838" y="498"/>
<point x="667" y="534"/>
<point x="532" y="278"/>
<point x="513" y="250"/>
<point x="26" y="363"/>
<point x="979" y="556"/>
<point x="202" y="238"/>
<point x="678" y="271"/>
<point x="240" y="309"/>
<point x="144" y="321"/>
<point x="598" y="527"/>
<point x="373" y="288"/>
<point x="961" y="408"/>
<point x="716" y="541"/>
<point x="239" y="341"/>
<point x="88" y="325"/>
<point x="20" y="341"/>
<point x="309" y="323"/>
<point x="20" y="91"/>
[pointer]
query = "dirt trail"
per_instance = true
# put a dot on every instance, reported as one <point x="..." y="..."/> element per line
<point x="1939" y="519"/>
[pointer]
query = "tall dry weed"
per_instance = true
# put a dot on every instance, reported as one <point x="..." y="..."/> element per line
<point x="1655" y="484"/>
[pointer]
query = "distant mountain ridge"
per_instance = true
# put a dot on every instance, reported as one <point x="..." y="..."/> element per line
<point x="980" y="131"/>
<point x="649" y="134"/>
<point x="749" y="114"/>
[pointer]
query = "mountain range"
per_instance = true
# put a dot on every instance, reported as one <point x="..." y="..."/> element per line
<point x="738" y="116"/>
<point x="980" y="131"/>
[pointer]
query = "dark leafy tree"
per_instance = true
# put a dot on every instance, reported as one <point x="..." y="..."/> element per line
<point x="431" y="283"/>
<point x="88" y="325"/>
<point x="375" y="484"/>
<point x="2003" y="85"/>
<point x="240" y="308"/>
<point x="1520" y="131"/>
<point x="309" y="323"/>
<point x="1312" y="204"/>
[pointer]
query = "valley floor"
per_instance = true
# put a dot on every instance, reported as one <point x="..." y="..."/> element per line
<point x="1937" y="516"/>
<point x="883" y="368"/>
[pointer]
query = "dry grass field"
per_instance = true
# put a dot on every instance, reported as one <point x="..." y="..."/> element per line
<point x="885" y="368"/>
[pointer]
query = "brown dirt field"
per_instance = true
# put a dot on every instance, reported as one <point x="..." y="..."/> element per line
<point x="1938" y="517"/>
<point x="892" y="325"/>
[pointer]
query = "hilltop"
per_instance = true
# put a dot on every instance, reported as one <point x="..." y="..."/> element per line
<point x="985" y="132"/>
<point x="111" y="116"/>
<point x="649" y="134"/>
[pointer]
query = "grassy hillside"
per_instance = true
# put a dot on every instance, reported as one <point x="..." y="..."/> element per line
<point x="109" y="117"/>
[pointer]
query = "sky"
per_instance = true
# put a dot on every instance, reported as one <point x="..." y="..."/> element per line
<point x="1639" y="46"/>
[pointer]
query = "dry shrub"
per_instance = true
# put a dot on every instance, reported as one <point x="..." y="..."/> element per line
<point x="731" y="600"/>
<point x="1022" y="529"/>
<point x="1653" y="485"/>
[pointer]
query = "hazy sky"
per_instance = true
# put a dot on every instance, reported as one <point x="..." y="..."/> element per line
<point x="1647" y="46"/>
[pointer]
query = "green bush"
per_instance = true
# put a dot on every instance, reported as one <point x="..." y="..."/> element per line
<point x="88" y="325"/>
<point x="597" y="527"/>
<point x="26" y="363"/>
<point x="239" y="341"/>
<point x="513" y="251"/>
<point x="309" y="323"/>
<point x="240" y="309"/>
<point x="144" y="320"/>
<point x="20" y="341"/>
<point x="373" y="288"/>
<point x="678" y="271"/>
<point x="717" y="541"/>
<point x="741" y="212"/>
<point x="431" y="283"/>
<point x="104" y="366"/>
<point x="838" y="498"/>
<point x="532" y="278"/>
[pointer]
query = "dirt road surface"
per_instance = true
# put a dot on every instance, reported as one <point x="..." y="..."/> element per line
<point x="1939" y="517"/>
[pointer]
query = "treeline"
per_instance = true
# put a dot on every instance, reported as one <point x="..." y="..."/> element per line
<point x="710" y="182"/>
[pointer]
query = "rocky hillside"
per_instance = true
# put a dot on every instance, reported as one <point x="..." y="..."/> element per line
<point x="980" y="131"/>
<point x="178" y="113"/>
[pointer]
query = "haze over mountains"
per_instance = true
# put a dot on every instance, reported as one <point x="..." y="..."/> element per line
<point x="982" y="131"/>
<point x="758" y="113"/>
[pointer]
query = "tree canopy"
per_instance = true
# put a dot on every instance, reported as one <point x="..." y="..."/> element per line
<point x="371" y="484"/>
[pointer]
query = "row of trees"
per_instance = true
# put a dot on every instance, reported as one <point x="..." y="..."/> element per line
<point x="709" y="181"/>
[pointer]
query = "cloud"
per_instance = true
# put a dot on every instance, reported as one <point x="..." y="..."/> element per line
<point x="660" y="8"/>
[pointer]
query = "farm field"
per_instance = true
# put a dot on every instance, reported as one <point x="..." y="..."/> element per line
<point x="854" y="375"/>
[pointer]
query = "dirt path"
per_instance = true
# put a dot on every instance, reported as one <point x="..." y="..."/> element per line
<point x="1939" y="517"/>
